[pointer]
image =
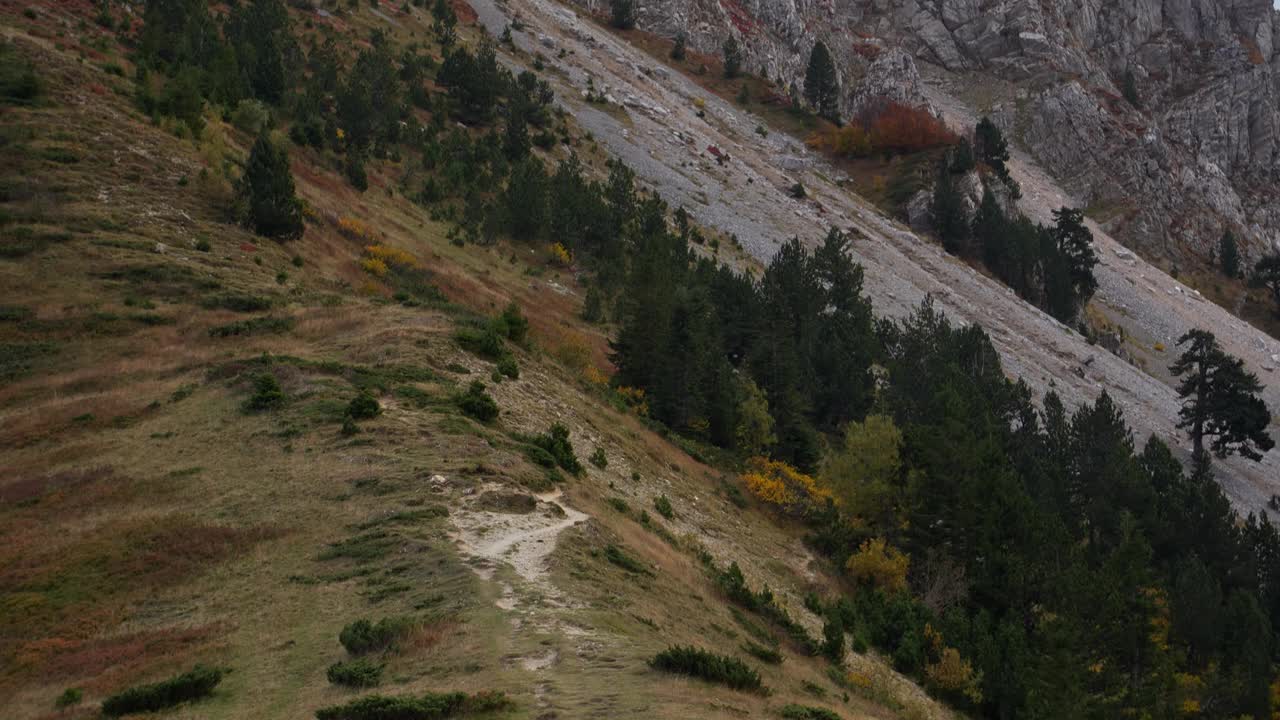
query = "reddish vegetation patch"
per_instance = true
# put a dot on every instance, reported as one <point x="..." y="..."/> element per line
<point x="869" y="51"/>
<point x="741" y="19"/>
<point x="464" y="11"/>
<point x="891" y="128"/>
<point x="248" y="247"/>
<point x="122" y="655"/>
<point x="30" y="488"/>
<point x="62" y="587"/>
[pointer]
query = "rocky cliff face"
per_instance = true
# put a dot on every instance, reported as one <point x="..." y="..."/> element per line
<point x="1198" y="154"/>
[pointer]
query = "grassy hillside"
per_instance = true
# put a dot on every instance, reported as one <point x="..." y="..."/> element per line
<point x="155" y="515"/>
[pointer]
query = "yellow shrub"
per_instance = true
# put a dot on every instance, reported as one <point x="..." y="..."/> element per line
<point x="391" y="255"/>
<point x="560" y="254"/>
<point x="777" y="483"/>
<point x="880" y="564"/>
<point x="353" y="229"/>
<point x="859" y="680"/>
<point x="573" y="350"/>
<point x="1159" y="347"/>
<point x="634" y="398"/>
<point x="953" y="673"/>
<point x="593" y="376"/>
<point x="374" y="266"/>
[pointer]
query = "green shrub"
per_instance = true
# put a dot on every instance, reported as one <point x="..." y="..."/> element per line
<point x="267" y="394"/>
<point x="197" y="683"/>
<point x="362" y="636"/>
<point x="238" y="302"/>
<point x="663" y="506"/>
<point x="762" y="653"/>
<point x="19" y="84"/>
<point x="478" y="404"/>
<point x="599" y="459"/>
<point x="251" y="116"/>
<point x="363" y="407"/>
<point x="507" y="366"/>
<point x="69" y="697"/>
<point x="483" y="341"/>
<point x="512" y="324"/>
<point x="619" y="557"/>
<point x="555" y="442"/>
<point x="620" y="505"/>
<point x="253" y="326"/>
<point x="349" y="426"/>
<point x="358" y="673"/>
<point x="807" y="712"/>
<point x="421" y="707"/>
<point x="708" y="666"/>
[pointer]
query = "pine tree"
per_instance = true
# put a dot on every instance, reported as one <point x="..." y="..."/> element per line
<point x="1129" y="89"/>
<point x="1220" y="400"/>
<point x="1267" y="274"/>
<point x="526" y="200"/>
<point x="993" y="150"/>
<point x="988" y="230"/>
<point x="948" y="213"/>
<point x="678" y="48"/>
<point x="444" y="22"/>
<point x="259" y="32"/>
<point x="177" y="33"/>
<point x="623" y="13"/>
<point x="822" y="83"/>
<point x="1229" y="255"/>
<point x="266" y="193"/>
<point x="732" y="57"/>
<point x="1075" y="242"/>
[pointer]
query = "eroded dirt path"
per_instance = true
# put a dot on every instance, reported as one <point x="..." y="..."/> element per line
<point x="520" y="540"/>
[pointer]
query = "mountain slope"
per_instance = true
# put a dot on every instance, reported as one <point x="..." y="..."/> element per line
<point x="663" y="137"/>
<point x="151" y="523"/>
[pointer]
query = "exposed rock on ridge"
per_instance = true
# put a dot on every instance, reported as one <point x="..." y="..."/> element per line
<point x="1200" y="154"/>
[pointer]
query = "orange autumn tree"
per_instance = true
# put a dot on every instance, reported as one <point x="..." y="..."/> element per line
<point x="890" y="128"/>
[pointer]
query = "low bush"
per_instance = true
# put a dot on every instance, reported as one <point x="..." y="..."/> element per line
<point x="421" y="707"/>
<point x="69" y="697"/>
<point x="699" y="663"/>
<point x="483" y="341"/>
<point x="555" y="442"/>
<point x="477" y="403"/>
<point x="19" y="84"/>
<point x="512" y="324"/>
<point x="267" y="394"/>
<point x="254" y="326"/>
<point x="358" y="673"/>
<point x="807" y="712"/>
<point x="619" y="557"/>
<point x="362" y="636"/>
<point x="238" y="302"/>
<point x="599" y="459"/>
<point x="770" y="655"/>
<point x="507" y="366"/>
<point x="663" y="506"/>
<point x="197" y="683"/>
<point x="363" y="407"/>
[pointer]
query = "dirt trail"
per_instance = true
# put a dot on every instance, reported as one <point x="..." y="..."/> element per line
<point x="521" y="540"/>
<point x="664" y="135"/>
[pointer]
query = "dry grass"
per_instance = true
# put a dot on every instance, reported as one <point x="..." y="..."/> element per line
<point x="160" y="532"/>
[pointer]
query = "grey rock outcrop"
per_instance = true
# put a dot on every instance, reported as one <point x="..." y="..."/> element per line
<point x="1199" y="153"/>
